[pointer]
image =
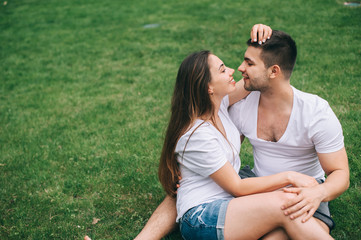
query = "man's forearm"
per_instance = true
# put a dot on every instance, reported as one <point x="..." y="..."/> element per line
<point x="336" y="183"/>
<point x="338" y="175"/>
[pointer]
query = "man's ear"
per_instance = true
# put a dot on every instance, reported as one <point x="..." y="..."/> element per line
<point x="275" y="71"/>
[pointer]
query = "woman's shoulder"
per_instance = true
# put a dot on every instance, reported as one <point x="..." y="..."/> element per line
<point x="200" y="133"/>
<point x="199" y="127"/>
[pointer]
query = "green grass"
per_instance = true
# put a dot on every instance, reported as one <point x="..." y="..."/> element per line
<point x="85" y="93"/>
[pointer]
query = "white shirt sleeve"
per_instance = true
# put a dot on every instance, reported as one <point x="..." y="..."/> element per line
<point x="203" y="153"/>
<point x="326" y="131"/>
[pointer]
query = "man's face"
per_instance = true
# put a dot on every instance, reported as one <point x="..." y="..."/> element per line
<point x="254" y="71"/>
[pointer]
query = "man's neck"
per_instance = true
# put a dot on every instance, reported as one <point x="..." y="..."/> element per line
<point x="277" y="98"/>
<point x="274" y="111"/>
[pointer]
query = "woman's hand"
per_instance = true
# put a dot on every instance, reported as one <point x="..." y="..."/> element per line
<point x="301" y="180"/>
<point x="260" y="33"/>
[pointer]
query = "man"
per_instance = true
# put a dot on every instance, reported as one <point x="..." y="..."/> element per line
<point x="288" y="129"/>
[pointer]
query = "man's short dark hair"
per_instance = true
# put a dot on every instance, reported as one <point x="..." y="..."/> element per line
<point x="279" y="50"/>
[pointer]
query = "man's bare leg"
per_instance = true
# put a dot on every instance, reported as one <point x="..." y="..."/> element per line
<point x="162" y="221"/>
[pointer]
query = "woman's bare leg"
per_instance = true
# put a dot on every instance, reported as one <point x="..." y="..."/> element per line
<point x="280" y="234"/>
<point x="251" y="217"/>
<point x="277" y="234"/>
<point x="162" y="221"/>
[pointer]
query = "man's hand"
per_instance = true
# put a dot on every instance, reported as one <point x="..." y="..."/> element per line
<point x="307" y="201"/>
<point x="260" y="32"/>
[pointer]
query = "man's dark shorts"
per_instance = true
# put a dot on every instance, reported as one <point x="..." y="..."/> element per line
<point x="322" y="213"/>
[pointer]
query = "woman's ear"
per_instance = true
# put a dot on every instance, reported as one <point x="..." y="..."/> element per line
<point x="210" y="90"/>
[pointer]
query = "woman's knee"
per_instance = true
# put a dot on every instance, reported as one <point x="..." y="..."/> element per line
<point x="283" y="197"/>
<point x="277" y="199"/>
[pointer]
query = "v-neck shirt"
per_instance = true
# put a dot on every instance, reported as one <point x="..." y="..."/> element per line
<point x="312" y="128"/>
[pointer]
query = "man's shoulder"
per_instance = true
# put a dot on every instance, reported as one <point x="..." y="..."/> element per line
<point x="307" y="96"/>
<point x="309" y="102"/>
<point x="244" y="108"/>
<point x="252" y="97"/>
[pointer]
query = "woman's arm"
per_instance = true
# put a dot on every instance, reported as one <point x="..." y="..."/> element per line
<point x="228" y="179"/>
<point x="261" y="33"/>
<point x="238" y="94"/>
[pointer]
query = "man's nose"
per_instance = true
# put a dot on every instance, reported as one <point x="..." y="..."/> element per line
<point x="241" y="68"/>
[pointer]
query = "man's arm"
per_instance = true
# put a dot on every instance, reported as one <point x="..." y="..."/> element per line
<point x="336" y="168"/>
<point x="162" y="221"/>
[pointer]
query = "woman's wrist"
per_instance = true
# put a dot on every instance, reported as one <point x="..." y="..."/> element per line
<point x="290" y="177"/>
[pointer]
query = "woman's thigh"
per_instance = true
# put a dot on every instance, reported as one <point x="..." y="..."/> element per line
<point x="251" y="217"/>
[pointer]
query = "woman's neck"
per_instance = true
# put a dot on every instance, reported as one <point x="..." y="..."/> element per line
<point x="216" y="100"/>
<point x="214" y="118"/>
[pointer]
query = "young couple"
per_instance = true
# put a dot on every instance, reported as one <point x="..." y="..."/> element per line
<point x="296" y="140"/>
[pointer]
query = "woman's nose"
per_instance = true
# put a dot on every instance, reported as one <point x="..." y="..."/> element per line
<point x="232" y="71"/>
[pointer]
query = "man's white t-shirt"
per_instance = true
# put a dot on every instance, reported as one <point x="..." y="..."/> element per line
<point x="201" y="151"/>
<point x="312" y="128"/>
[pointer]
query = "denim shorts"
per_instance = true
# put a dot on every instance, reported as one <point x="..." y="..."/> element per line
<point x="205" y="221"/>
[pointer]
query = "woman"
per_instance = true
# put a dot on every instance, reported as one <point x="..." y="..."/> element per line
<point x="203" y="144"/>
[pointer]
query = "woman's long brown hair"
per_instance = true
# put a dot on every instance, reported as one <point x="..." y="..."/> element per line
<point x="190" y="101"/>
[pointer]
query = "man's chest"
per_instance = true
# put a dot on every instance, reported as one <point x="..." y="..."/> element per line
<point x="272" y="126"/>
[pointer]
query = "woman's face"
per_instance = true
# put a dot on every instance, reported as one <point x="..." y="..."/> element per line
<point x="222" y="82"/>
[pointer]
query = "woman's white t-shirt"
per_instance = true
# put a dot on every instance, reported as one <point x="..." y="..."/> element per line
<point x="201" y="154"/>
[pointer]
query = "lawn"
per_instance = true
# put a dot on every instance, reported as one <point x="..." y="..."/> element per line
<point x="85" y="90"/>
